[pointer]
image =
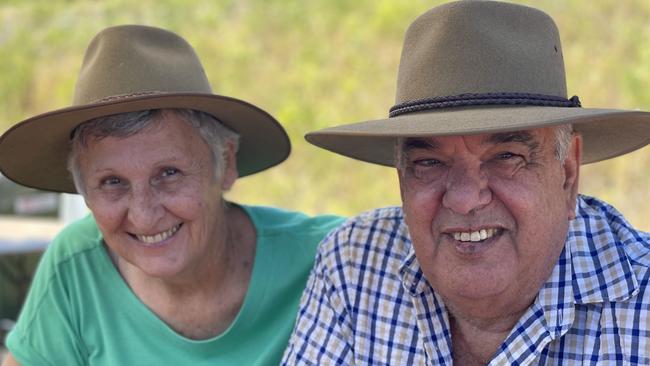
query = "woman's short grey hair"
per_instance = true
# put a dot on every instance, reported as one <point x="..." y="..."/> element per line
<point x="209" y="128"/>
<point x="563" y="134"/>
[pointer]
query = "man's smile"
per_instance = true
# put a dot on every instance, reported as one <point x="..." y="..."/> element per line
<point x="476" y="235"/>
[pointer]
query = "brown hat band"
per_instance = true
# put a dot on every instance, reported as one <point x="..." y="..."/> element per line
<point x="473" y="99"/>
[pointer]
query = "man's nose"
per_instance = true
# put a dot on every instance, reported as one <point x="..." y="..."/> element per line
<point x="467" y="189"/>
<point x="145" y="208"/>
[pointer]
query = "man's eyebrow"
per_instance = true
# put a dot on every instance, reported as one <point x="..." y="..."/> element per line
<point x="417" y="143"/>
<point x="524" y="137"/>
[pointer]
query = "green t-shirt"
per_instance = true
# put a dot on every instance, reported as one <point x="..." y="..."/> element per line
<point x="80" y="311"/>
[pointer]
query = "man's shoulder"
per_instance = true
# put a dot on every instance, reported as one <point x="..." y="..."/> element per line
<point x="376" y="238"/>
<point x="385" y="218"/>
<point x="605" y="225"/>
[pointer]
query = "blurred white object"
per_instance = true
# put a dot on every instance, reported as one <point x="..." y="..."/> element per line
<point x="71" y="207"/>
<point x="26" y="234"/>
<point x="33" y="204"/>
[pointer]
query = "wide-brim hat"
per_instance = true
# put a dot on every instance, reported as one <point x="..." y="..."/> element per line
<point x="472" y="67"/>
<point x="125" y="69"/>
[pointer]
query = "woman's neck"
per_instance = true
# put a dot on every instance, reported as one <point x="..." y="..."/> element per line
<point x="204" y="301"/>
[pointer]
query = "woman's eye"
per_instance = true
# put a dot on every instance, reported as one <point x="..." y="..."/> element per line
<point x="111" y="181"/>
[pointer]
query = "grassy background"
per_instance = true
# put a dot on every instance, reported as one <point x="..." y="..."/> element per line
<point x="317" y="63"/>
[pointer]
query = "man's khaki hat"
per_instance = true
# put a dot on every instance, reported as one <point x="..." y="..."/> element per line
<point x="471" y="67"/>
<point x="131" y="68"/>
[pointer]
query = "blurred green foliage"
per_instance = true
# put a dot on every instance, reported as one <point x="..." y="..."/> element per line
<point x="16" y="271"/>
<point x="318" y="63"/>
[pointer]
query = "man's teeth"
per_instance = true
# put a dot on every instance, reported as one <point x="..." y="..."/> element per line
<point x="475" y="236"/>
<point x="153" y="239"/>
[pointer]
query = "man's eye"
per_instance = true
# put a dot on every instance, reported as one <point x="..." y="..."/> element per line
<point x="507" y="156"/>
<point x="426" y="163"/>
<point x="169" y="172"/>
<point x="506" y="163"/>
<point x="425" y="170"/>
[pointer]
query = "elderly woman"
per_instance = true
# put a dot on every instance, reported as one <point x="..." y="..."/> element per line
<point x="164" y="271"/>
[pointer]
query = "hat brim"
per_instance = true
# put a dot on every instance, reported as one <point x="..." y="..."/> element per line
<point x="606" y="132"/>
<point x="34" y="152"/>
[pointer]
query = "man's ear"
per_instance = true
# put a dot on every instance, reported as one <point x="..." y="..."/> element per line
<point x="571" y="168"/>
<point x="230" y="172"/>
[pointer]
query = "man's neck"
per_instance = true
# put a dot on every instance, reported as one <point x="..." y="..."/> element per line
<point x="475" y="341"/>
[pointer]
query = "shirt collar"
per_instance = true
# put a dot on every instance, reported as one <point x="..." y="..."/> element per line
<point x="412" y="276"/>
<point x="413" y="279"/>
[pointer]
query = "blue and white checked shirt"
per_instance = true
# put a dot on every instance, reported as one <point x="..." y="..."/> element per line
<point x="367" y="302"/>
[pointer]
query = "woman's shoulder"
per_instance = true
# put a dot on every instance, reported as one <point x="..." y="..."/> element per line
<point x="79" y="236"/>
<point x="270" y="220"/>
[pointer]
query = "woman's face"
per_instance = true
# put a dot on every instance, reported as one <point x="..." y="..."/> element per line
<point x="155" y="198"/>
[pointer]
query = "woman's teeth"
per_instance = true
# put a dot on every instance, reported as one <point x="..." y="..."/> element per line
<point x="475" y="236"/>
<point x="153" y="239"/>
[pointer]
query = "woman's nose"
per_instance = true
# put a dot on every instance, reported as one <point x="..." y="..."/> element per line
<point x="145" y="209"/>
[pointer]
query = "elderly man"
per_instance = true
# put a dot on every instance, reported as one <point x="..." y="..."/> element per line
<point x="493" y="258"/>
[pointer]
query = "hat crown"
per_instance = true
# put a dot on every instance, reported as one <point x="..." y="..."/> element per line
<point x="480" y="47"/>
<point x="134" y="59"/>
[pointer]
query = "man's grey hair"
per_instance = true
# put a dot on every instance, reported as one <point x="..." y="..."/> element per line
<point x="215" y="135"/>
<point x="563" y="134"/>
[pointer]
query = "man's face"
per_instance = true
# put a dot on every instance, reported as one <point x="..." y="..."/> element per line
<point x="488" y="214"/>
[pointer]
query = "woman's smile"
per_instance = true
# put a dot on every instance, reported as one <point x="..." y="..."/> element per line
<point x="159" y="237"/>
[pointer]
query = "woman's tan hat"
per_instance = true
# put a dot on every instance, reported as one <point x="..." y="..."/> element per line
<point x="472" y="67"/>
<point x="130" y="68"/>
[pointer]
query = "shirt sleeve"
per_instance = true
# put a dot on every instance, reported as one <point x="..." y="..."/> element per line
<point x="322" y="334"/>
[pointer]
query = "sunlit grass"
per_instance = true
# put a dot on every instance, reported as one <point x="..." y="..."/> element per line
<point x="318" y="63"/>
